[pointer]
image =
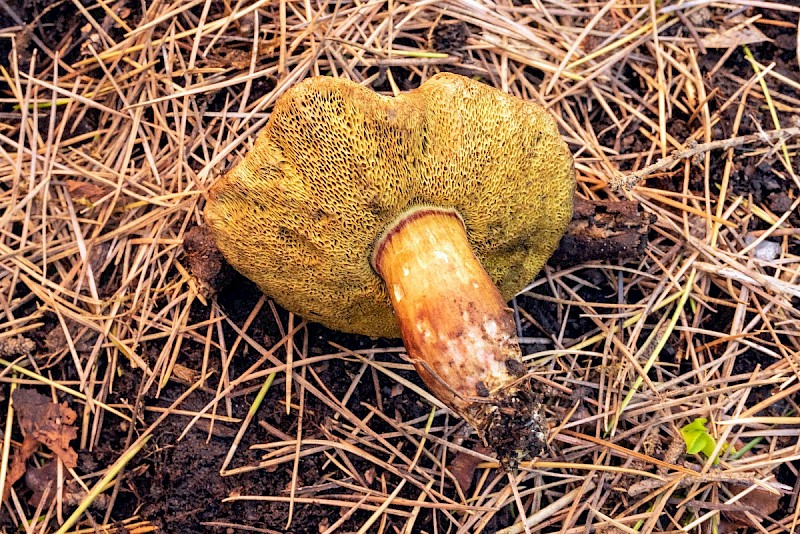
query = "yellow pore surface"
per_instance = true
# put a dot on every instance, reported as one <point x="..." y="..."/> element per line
<point x="336" y="163"/>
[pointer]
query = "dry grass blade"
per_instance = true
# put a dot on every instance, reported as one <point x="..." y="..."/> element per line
<point x="225" y="412"/>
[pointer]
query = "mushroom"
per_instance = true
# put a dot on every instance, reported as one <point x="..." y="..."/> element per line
<point x="417" y="216"/>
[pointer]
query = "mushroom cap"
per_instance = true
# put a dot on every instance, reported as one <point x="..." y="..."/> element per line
<point x="337" y="163"/>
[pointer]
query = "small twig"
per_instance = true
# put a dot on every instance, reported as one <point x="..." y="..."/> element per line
<point x="629" y="181"/>
<point x="744" y="478"/>
<point x="548" y="511"/>
<point x="776" y="284"/>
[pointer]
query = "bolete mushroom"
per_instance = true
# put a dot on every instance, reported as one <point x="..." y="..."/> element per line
<point x="417" y="216"/>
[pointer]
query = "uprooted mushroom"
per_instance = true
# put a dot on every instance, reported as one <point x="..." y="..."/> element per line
<point x="417" y="216"/>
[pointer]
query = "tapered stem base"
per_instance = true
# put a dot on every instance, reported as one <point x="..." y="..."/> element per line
<point x="459" y="332"/>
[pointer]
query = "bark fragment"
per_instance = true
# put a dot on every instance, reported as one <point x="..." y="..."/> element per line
<point x="604" y="230"/>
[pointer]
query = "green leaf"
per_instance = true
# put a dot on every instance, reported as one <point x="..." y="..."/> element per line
<point x="697" y="438"/>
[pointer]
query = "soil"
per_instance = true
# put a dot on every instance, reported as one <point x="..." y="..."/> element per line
<point x="177" y="485"/>
<point x="175" y="473"/>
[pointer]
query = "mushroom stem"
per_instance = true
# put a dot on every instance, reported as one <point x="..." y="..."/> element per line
<point x="458" y="331"/>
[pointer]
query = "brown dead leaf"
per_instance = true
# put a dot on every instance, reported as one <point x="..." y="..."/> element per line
<point x="759" y="503"/>
<point x="369" y="475"/>
<point x="48" y="423"/>
<point x="216" y="429"/>
<point x="42" y="422"/>
<point x="83" y="192"/>
<point x="17" y="466"/>
<point x="734" y="36"/>
<point x="42" y="481"/>
<point x="185" y="375"/>
<point x="82" y="338"/>
<point x="463" y="468"/>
